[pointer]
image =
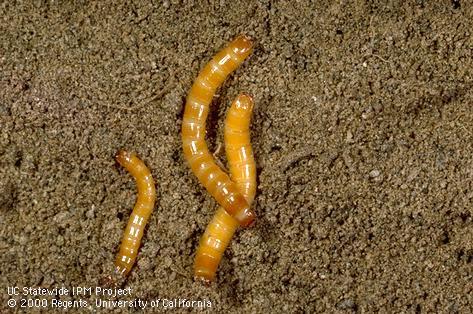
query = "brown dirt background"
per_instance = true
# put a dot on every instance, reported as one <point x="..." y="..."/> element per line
<point x="362" y="133"/>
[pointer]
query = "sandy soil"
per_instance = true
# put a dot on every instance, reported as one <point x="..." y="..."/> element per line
<point x="362" y="132"/>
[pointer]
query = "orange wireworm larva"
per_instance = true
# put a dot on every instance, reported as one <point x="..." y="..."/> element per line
<point x="242" y="166"/>
<point x="139" y="217"/>
<point x="216" y="181"/>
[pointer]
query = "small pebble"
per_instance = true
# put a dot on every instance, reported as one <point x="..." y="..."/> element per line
<point x="346" y="304"/>
<point x="374" y="173"/>
<point x="349" y="137"/>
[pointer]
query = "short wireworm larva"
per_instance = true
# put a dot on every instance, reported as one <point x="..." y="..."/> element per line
<point x="242" y="166"/>
<point x="238" y="146"/>
<point x="195" y="149"/>
<point x="139" y="217"/>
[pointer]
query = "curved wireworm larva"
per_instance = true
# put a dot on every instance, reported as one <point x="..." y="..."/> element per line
<point x="142" y="210"/>
<point x="216" y="181"/>
<point x="242" y="166"/>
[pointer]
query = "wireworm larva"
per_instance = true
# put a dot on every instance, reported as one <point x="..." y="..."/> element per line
<point x="242" y="166"/>
<point x="238" y="146"/>
<point x="216" y="181"/>
<point x="139" y="217"/>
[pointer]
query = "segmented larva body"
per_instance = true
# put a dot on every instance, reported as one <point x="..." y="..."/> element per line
<point x="242" y="166"/>
<point x="139" y="217"/>
<point x="216" y="181"/>
<point x="238" y="146"/>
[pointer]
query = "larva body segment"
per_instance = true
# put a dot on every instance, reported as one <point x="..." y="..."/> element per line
<point x="142" y="210"/>
<point x="242" y="166"/>
<point x="217" y="182"/>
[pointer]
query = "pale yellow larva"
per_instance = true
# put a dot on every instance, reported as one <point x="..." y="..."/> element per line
<point x="139" y="217"/>
<point x="216" y="181"/>
<point x="242" y="166"/>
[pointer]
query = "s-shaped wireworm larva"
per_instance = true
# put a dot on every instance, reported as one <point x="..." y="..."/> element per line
<point x="195" y="149"/>
<point x="242" y="166"/>
<point x="139" y="217"/>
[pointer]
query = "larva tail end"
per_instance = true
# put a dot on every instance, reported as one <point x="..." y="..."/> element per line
<point x="205" y="265"/>
<point x="242" y="45"/>
<point x="113" y="280"/>
<point x="107" y="282"/>
<point x="246" y="218"/>
<point x="121" y="270"/>
<point x="203" y="278"/>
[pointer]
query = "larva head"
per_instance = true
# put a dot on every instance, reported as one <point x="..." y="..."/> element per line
<point x="242" y="46"/>
<point x="123" y="157"/>
<point x="246" y="217"/>
<point x="244" y="103"/>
